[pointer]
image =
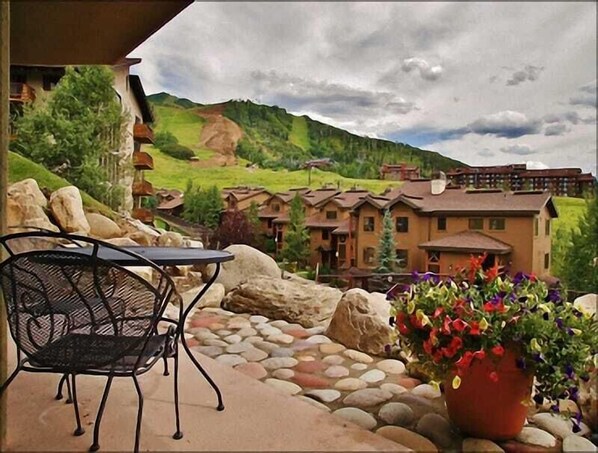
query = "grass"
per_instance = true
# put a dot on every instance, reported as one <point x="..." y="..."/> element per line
<point x="173" y="174"/>
<point x="570" y="211"/>
<point x="299" y="134"/>
<point x="186" y="125"/>
<point x="20" y="168"/>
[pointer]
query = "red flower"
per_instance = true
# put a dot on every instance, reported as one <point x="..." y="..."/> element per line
<point x="428" y="347"/>
<point x="400" y="321"/>
<point x="493" y="376"/>
<point x="464" y="361"/>
<point x="481" y="354"/>
<point x="475" y="264"/>
<point x="492" y="273"/>
<point x="532" y="277"/>
<point x="438" y="312"/>
<point x="498" y="350"/>
<point x="474" y="328"/>
<point x="459" y="325"/>
<point x="446" y="325"/>
<point x="437" y="356"/>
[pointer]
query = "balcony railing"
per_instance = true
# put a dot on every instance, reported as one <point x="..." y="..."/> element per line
<point x="142" y="188"/>
<point x="143" y="133"/>
<point x="143" y="214"/>
<point x="21" y="92"/>
<point x="143" y="161"/>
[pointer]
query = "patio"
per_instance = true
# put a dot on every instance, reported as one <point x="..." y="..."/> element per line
<point x="256" y="418"/>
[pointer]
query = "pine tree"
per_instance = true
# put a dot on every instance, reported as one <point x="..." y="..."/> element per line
<point x="296" y="244"/>
<point x="580" y="263"/>
<point x="387" y="255"/>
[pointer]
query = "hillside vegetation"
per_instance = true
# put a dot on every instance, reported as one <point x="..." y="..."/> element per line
<point x="275" y="139"/>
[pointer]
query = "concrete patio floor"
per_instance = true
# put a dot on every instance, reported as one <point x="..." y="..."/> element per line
<point x="256" y="418"/>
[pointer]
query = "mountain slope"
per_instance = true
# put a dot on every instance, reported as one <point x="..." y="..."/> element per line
<point x="273" y="138"/>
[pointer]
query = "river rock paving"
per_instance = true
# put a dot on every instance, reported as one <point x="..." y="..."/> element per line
<point x="374" y="392"/>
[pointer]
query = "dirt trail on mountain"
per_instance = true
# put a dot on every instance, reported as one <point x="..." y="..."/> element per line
<point x="219" y="134"/>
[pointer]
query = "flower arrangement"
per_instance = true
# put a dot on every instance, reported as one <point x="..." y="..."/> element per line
<point x="449" y="324"/>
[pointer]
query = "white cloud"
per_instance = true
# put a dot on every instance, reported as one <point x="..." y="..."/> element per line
<point x="535" y="165"/>
<point x="529" y="72"/>
<point x="426" y="71"/>
<point x="520" y="150"/>
<point x="505" y="124"/>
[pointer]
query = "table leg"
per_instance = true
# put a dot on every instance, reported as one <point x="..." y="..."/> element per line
<point x="184" y="341"/>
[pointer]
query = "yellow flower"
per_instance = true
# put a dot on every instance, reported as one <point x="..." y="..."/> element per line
<point x="535" y="345"/>
<point x="544" y="308"/>
<point x="410" y="306"/>
<point x="483" y="324"/>
<point x="435" y="385"/>
<point x="421" y="316"/>
<point x="456" y="382"/>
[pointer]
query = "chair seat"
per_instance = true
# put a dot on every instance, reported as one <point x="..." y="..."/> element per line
<point x="83" y="352"/>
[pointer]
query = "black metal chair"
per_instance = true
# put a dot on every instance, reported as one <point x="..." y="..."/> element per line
<point x="76" y="314"/>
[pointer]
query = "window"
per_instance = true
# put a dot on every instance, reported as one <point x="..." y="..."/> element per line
<point x="368" y="224"/>
<point x="547" y="227"/>
<point x="276" y="207"/>
<point x="497" y="224"/>
<point x="476" y="224"/>
<point x="325" y="235"/>
<point x="434" y="262"/>
<point x="546" y="260"/>
<point x="342" y="252"/>
<point x="402" y="257"/>
<point x="441" y="223"/>
<point x="49" y="81"/>
<point x="368" y="255"/>
<point x="342" y="238"/>
<point x="331" y="215"/>
<point x="536" y="226"/>
<point x="269" y="223"/>
<point x="402" y="224"/>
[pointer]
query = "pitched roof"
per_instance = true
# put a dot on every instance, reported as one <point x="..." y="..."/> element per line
<point x="171" y="204"/>
<point x="316" y="221"/>
<point x="462" y="201"/>
<point x="343" y="227"/>
<point x="315" y="197"/>
<point x="242" y="193"/>
<point x="290" y="194"/>
<point x="468" y="242"/>
<point x="378" y="201"/>
<point x="348" y="199"/>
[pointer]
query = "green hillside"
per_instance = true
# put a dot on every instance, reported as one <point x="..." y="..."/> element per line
<point x="277" y="140"/>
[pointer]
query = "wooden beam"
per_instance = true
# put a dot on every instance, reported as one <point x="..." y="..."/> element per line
<point x="4" y="112"/>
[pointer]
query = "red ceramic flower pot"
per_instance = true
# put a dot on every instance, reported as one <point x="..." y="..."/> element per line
<point x="486" y="409"/>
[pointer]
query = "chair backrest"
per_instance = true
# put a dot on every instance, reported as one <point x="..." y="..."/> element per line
<point x="53" y="293"/>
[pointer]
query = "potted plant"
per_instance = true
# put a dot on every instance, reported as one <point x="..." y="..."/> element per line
<point x="489" y="339"/>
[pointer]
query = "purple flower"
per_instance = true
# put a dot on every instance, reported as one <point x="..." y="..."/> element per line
<point x="415" y="276"/>
<point x="387" y="348"/>
<point x="553" y="295"/>
<point x="555" y="408"/>
<point x="577" y="313"/>
<point x="520" y="362"/>
<point x="538" y="357"/>
<point x="570" y="331"/>
<point x="559" y="323"/>
<point x="545" y="316"/>
<point x="573" y="393"/>
<point x="519" y="277"/>
<point x="569" y="371"/>
<point x="575" y="428"/>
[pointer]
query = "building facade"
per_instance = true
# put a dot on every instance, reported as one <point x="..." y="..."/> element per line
<point x="399" y="172"/>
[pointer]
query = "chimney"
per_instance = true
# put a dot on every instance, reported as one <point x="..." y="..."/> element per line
<point x="438" y="183"/>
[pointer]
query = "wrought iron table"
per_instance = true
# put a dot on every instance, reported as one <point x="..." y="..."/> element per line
<point x="172" y="256"/>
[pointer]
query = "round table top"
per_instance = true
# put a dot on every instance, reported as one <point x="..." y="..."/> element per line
<point x="161" y="256"/>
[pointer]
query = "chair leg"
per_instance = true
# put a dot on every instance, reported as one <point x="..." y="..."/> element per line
<point x="139" y="413"/>
<point x="79" y="431"/>
<point x="69" y="399"/>
<point x="166" y="373"/>
<point x="60" y="385"/>
<point x="178" y="434"/>
<point x="96" y="429"/>
<point x="10" y="379"/>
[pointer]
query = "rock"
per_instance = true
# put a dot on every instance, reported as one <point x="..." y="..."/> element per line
<point x="314" y="403"/>
<point x="145" y="272"/>
<point x="282" y="299"/>
<point x="350" y="384"/>
<point x="535" y="436"/>
<point x="407" y="438"/>
<point x="236" y="348"/>
<point x="23" y="210"/>
<point x="472" y="445"/>
<point x="254" y="370"/>
<point x="215" y="342"/>
<point x="122" y="242"/>
<point x="310" y="366"/>
<point x="305" y="358"/>
<point x="357" y="416"/>
<point x="141" y="238"/>
<point x="232" y="339"/>
<point x="279" y="362"/>
<point x="67" y="208"/>
<point x="225" y="333"/>
<point x="253" y="339"/>
<point x="318" y="339"/>
<point x="317" y="330"/>
<point x="396" y="414"/>
<point x="281" y="338"/>
<point x="211" y="298"/>
<point x="269" y="330"/>
<point x="257" y="319"/>
<point x="246" y="332"/>
<point x="230" y="359"/>
<point x="366" y="398"/>
<point x="297" y="333"/>
<point x="436" y="428"/>
<point x="308" y="380"/>
<point x="359" y="366"/>
<point x="302" y="345"/>
<point x="266" y="346"/>
<point x="170" y="239"/>
<point x="249" y="264"/>
<point x="395" y="389"/>
<point x="239" y="323"/>
<point x="333" y="359"/>
<point x="279" y="323"/>
<point x="336" y="371"/>
<point x="282" y="352"/>
<point x="283" y="373"/>
<point x="192" y="243"/>
<point x="373" y="376"/>
<point x="356" y="324"/>
<point x="331" y="348"/>
<point x="102" y="227"/>
<point x="324" y="396"/>
<point x="358" y="356"/>
<point x="427" y="391"/>
<point x="210" y="351"/>
<point x="288" y="388"/>
<point x="557" y="426"/>
<point x="391" y="366"/>
<point x="29" y="188"/>
<point x="254" y="354"/>
<point x="408" y="383"/>
<point x="418" y="404"/>
<point x="580" y="444"/>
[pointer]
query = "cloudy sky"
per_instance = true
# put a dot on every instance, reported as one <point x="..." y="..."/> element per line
<point x="485" y="83"/>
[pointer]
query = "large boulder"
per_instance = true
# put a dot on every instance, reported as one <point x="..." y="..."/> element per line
<point x="102" y="227"/>
<point x="23" y="209"/>
<point x="170" y="239"/>
<point x="308" y="305"/>
<point x="28" y="187"/>
<point x="67" y="208"/>
<point x="358" y="323"/>
<point x="211" y="298"/>
<point x="249" y="263"/>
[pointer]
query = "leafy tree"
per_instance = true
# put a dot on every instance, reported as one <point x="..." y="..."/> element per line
<point x="387" y="256"/>
<point x="235" y="228"/>
<point x="202" y="206"/>
<point x="252" y="216"/>
<point x="80" y="123"/>
<point x="296" y="244"/>
<point x="177" y="151"/>
<point x="580" y="263"/>
<point x="164" y="138"/>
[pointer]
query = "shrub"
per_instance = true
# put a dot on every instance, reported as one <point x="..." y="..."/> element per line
<point x="177" y="151"/>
